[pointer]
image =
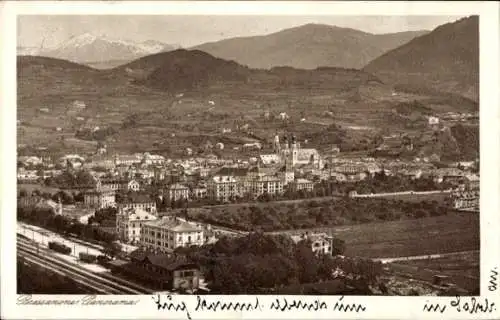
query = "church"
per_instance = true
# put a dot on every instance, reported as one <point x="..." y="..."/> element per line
<point x="291" y="154"/>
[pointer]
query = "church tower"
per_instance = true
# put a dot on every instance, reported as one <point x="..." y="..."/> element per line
<point x="59" y="207"/>
<point x="295" y="151"/>
<point x="276" y="146"/>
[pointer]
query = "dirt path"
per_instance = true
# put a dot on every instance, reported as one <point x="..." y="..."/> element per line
<point x="424" y="257"/>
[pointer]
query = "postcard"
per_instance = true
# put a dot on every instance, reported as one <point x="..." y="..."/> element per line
<point x="250" y="160"/>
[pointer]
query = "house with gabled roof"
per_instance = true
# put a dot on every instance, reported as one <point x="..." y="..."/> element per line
<point x="164" y="271"/>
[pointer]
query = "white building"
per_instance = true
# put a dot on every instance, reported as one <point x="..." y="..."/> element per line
<point x="321" y="243"/>
<point x="153" y="159"/>
<point x="99" y="199"/>
<point x="118" y="184"/>
<point x="168" y="233"/>
<point x="178" y="191"/>
<point x="222" y="188"/>
<point x="295" y="155"/>
<point x="129" y="223"/>
<point x="302" y="184"/>
<point x="137" y="201"/>
<point x="266" y="185"/>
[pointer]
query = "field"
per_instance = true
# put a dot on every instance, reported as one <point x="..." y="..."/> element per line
<point x="442" y="234"/>
<point x="466" y="264"/>
<point x="310" y="214"/>
<point x="167" y="123"/>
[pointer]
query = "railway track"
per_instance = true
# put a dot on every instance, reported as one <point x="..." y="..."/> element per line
<point x="102" y="283"/>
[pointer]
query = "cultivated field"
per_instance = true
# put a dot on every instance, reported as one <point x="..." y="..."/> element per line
<point x="448" y="233"/>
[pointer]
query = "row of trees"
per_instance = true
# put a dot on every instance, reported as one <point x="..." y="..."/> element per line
<point x="258" y="262"/>
<point x="380" y="183"/>
<point x="66" y="197"/>
<point x="70" y="180"/>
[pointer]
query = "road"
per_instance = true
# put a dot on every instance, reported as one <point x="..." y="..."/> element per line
<point x="102" y="283"/>
<point x="424" y="257"/>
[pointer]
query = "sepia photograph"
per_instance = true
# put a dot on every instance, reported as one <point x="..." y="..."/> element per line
<point x="248" y="155"/>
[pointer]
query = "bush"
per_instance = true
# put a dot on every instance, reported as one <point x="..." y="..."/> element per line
<point x="103" y="260"/>
<point x="87" y="258"/>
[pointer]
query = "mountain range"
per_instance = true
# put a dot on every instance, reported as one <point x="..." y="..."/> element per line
<point x="91" y="49"/>
<point x="305" y="47"/>
<point x="446" y="59"/>
<point x="308" y="47"/>
<point x="443" y="60"/>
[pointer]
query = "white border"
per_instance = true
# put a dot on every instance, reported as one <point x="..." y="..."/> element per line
<point x="377" y="307"/>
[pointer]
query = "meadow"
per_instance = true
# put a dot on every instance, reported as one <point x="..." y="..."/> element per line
<point x="453" y="232"/>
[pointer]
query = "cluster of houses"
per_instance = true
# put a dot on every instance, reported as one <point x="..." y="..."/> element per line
<point x="290" y="167"/>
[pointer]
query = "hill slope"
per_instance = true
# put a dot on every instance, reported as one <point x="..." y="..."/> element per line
<point x="446" y="59"/>
<point x="188" y="69"/>
<point x="308" y="47"/>
<point x="42" y="76"/>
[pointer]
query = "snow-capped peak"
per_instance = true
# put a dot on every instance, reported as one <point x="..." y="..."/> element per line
<point x="88" y="47"/>
<point x="80" y="40"/>
<point x="145" y="47"/>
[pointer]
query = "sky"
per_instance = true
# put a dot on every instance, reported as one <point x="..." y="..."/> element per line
<point x="188" y="31"/>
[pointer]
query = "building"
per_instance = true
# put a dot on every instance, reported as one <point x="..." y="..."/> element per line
<point x="162" y="271"/>
<point x="227" y="184"/>
<point x="472" y="181"/>
<point x="137" y="201"/>
<point x="177" y="192"/>
<point x="302" y="184"/>
<point x="266" y="185"/>
<point x="286" y="174"/>
<point x="199" y="192"/>
<point x="466" y="200"/>
<point x="118" y="184"/>
<point x="295" y="155"/>
<point x="99" y="199"/>
<point x="168" y="233"/>
<point x="153" y="159"/>
<point x="321" y="243"/>
<point x="127" y="160"/>
<point x="129" y="223"/>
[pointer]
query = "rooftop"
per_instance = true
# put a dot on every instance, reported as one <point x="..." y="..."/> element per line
<point x="302" y="181"/>
<point x="136" y="198"/>
<point x="166" y="261"/>
<point x="177" y="186"/>
<point x="139" y="214"/>
<point x="175" y="224"/>
<point x="228" y="171"/>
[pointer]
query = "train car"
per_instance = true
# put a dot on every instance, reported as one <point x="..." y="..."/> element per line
<point x="59" y="247"/>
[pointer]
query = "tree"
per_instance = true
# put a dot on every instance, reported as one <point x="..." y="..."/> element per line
<point x="338" y="246"/>
<point x="84" y="178"/>
<point x="112" y="249"/>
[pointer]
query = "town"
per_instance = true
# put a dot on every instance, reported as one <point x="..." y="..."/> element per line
<point x="316" y="160"/>
<point x="146" y="204"/>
